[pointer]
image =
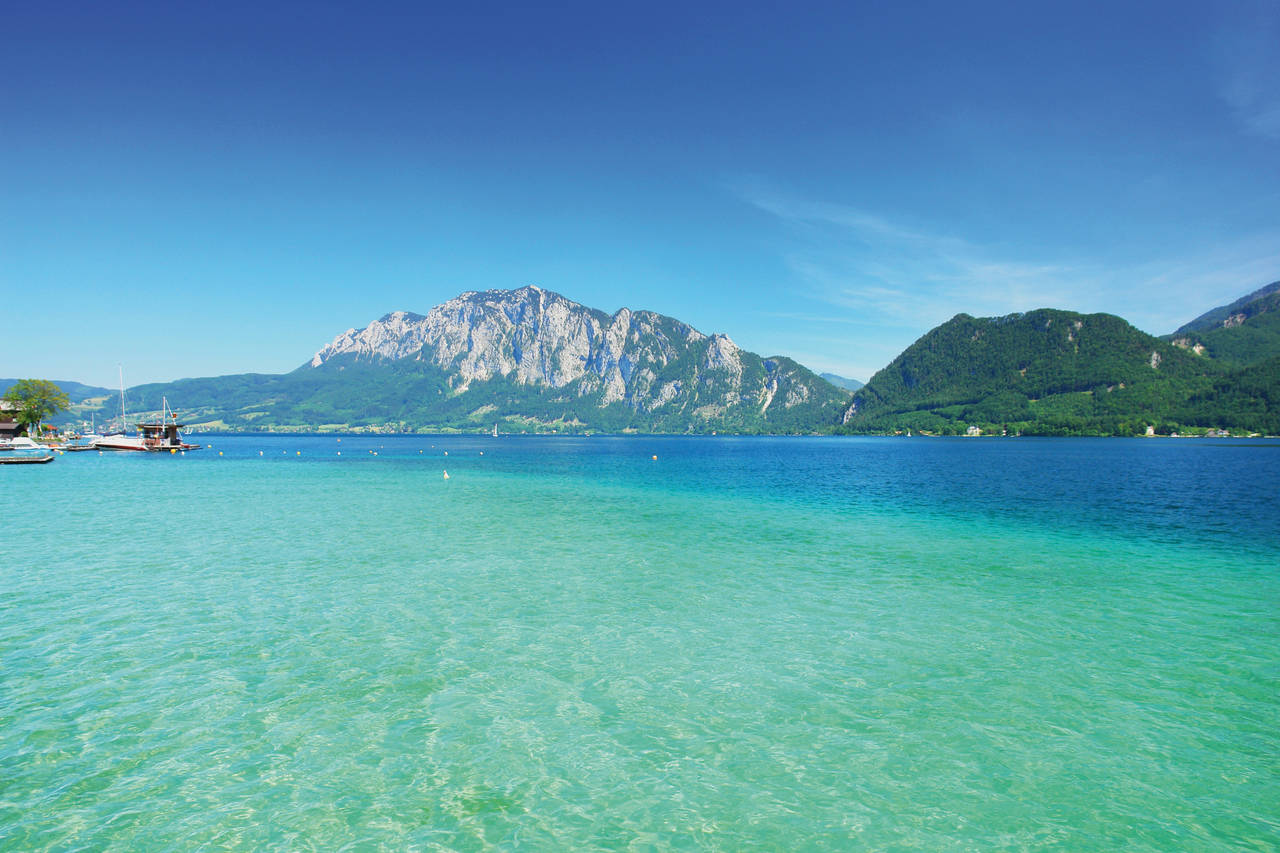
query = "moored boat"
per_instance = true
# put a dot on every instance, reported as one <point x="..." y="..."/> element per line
<point x="22" y="450"/>
<point x="81" y="443"/>
<point x="153" y="436"/>
<point x="119" y="442"/>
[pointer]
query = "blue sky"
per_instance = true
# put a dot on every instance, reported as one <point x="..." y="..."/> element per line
<point x="199" y="189"/>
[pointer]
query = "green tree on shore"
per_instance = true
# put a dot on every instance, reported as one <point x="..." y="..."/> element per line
<point x="35" y="400"/>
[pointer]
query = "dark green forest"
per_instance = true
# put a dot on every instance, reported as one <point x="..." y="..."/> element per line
<point x="1052" y="372"/>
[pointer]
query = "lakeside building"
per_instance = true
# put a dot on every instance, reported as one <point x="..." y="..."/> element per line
<point x="9" y="426"/>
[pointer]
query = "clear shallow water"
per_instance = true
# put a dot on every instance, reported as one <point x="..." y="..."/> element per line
<point x="748" y="643"/>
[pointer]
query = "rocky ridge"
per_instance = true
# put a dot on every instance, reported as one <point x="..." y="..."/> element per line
<point x="535" y="337"/>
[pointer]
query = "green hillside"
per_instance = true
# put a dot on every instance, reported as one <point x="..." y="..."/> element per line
<point x="1245" y="332"/>
<point x="1043" y="372"/>
<point x="1247" y="399"/>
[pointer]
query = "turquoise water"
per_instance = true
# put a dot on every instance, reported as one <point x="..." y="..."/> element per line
<point x="778" y="644"/>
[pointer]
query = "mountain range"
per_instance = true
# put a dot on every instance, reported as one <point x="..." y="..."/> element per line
<point x="530" y="360"/>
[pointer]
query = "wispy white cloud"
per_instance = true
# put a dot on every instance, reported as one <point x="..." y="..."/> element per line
<point x="904" y="279"/>
<point x="1165" y="293"/>
<point x="1249" y="56"/>
<point x="905" y="275"/>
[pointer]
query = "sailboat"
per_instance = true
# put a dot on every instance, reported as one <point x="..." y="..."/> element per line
<point x="120" y="441"/>
<point x="153" y="437"/>
<point x="81" y="441"/>
<point x="495" y="430"/>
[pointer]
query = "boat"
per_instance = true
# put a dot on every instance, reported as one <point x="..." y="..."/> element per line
<point x="153" y="436"/>
<point x="83" y="440"/>
<point x="119" y="442"/>
<point x="23" y="451"/>
<point x="81" y="443"/>
<point x="495" y="430"/>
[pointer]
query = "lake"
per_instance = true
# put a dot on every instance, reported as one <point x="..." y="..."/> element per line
<point x="302" y="643"/>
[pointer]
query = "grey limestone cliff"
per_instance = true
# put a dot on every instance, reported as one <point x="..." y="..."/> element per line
<point x="533" y="337"/>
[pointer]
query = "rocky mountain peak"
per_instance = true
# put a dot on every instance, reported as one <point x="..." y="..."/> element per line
<point x="537" y="337"/>
<point x="393" y="336"/>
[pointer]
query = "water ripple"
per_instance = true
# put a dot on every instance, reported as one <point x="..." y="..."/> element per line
<point x="805" y="645"/>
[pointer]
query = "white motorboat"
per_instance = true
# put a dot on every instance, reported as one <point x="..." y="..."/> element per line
<point x="22" y="450"/>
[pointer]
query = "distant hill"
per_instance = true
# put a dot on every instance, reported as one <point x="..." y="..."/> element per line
<point x="77" y="392"/>
<point x="1045" y="371"/>
<point x="1245" y="332"/>
<point x="528" y="360"/>
<point x="842" y="382"/>
<point x="86" y="400"/>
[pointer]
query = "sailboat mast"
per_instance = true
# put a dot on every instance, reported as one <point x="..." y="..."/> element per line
<point x="124" y="417"/>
